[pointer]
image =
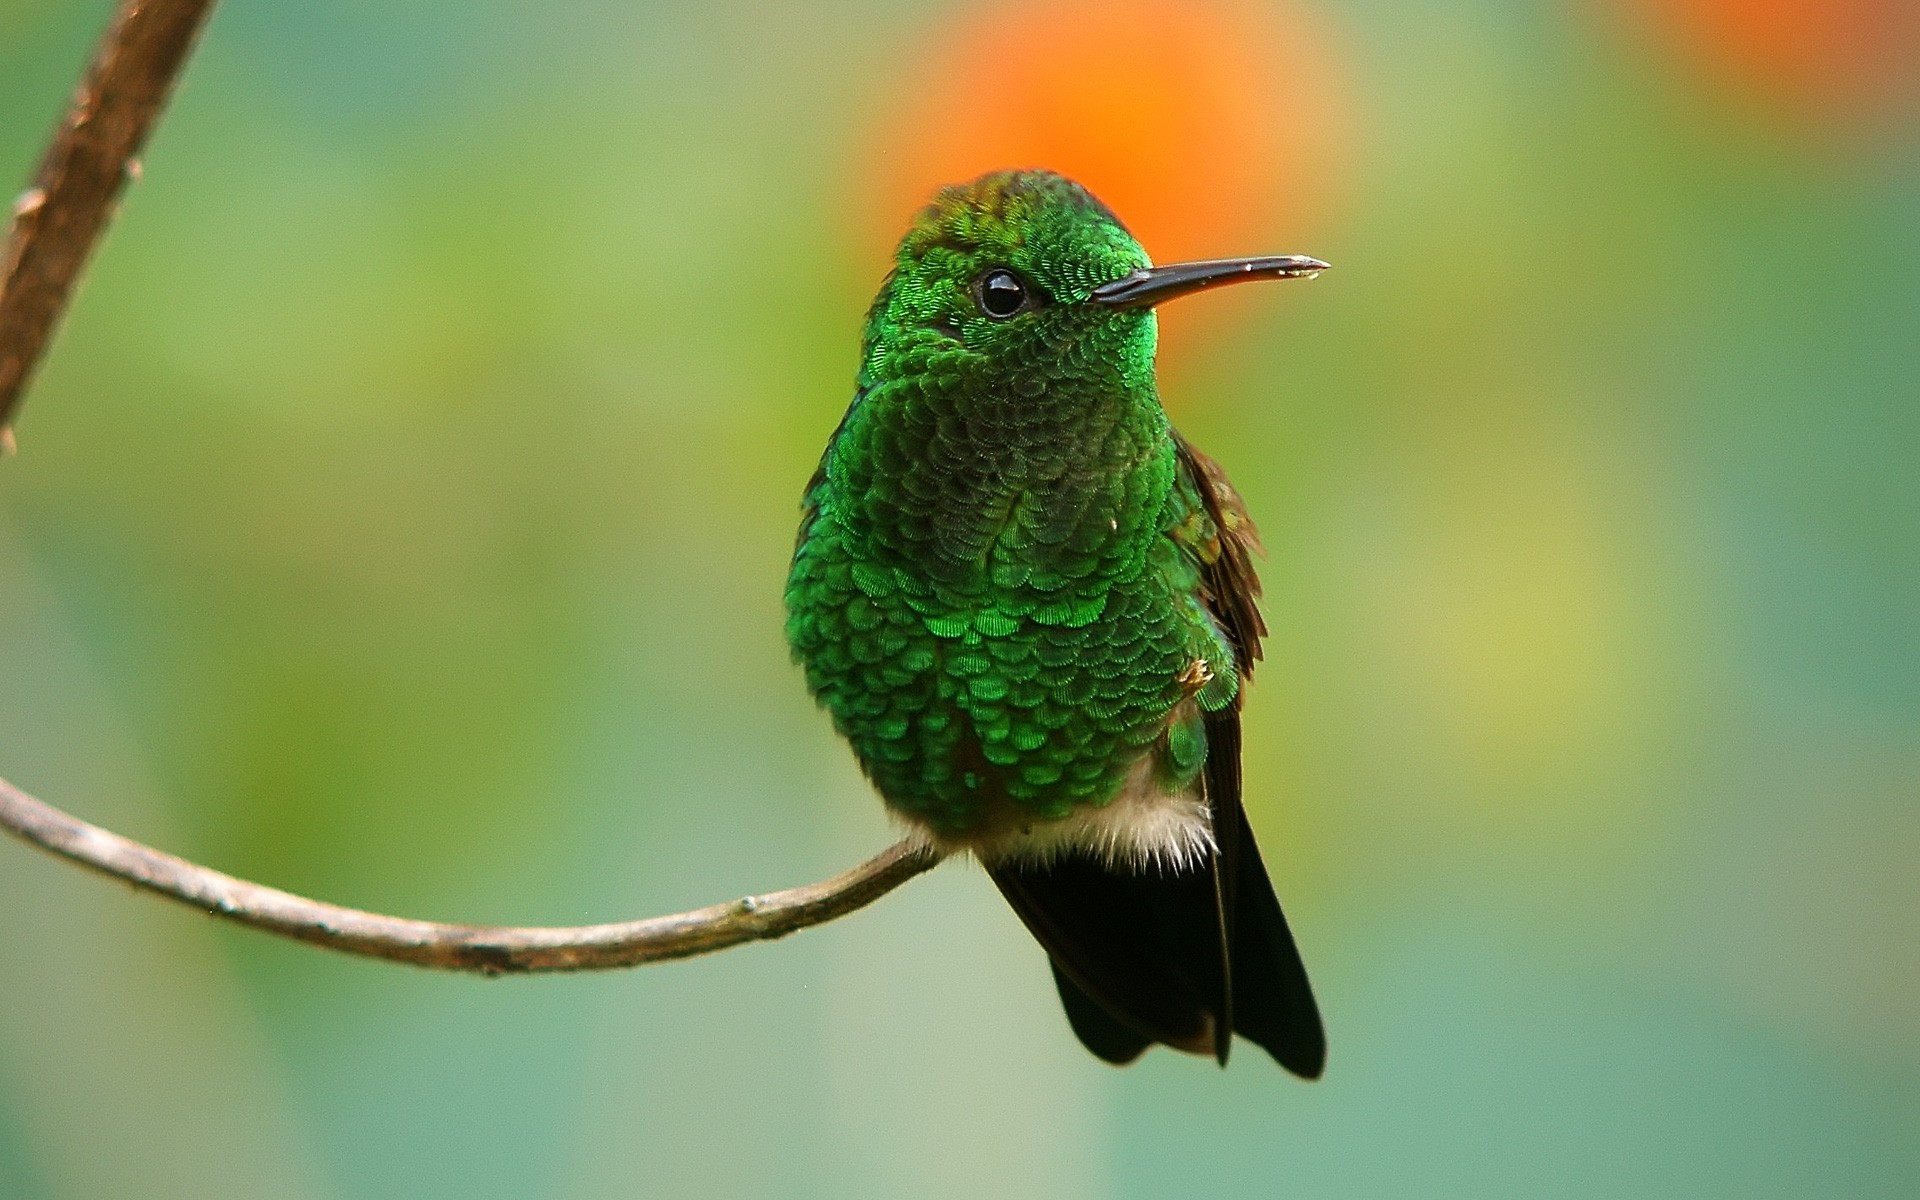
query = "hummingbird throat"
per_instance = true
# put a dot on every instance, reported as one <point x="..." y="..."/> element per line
<point x="1026" y="493"/>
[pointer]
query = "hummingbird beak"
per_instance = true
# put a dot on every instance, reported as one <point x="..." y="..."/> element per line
<point x="1151" y="285"/>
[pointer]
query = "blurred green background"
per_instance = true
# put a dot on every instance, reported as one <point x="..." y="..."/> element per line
<point x="402" y="514"/>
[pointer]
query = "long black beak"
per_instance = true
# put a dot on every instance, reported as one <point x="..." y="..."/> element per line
<point x="1150" y="285"/>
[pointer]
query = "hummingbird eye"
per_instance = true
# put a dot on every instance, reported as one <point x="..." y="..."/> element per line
<point x="1000" y="294"/>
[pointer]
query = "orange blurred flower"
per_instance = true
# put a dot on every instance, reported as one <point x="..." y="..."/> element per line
<point x="1211" y="127"/>
<point x="1846" y="59"/>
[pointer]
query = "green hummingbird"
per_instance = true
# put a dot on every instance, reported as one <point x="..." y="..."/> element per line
<point x="1029" y="605"/>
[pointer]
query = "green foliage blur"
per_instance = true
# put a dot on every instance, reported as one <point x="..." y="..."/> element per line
<point x="401" y="519"/>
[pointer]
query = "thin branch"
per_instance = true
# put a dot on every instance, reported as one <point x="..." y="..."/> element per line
<point x="55" y="225"/>
<point x="485" y="949"/>
<point x="57" y="220"/>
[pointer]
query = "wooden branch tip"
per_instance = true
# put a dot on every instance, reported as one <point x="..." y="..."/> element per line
<point x="484" y="949"/>
<point x="94" y="153"/>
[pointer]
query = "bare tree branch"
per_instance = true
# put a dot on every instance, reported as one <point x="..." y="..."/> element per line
<point x="486" y="949"/>
<point x="57" y="220"/>
<point x="55" y="225"/>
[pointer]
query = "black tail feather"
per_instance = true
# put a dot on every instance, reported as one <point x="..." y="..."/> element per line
<point x="1126" y="943"/>
<point x="1098" y="1030"/>
<point x="1273" y="1002"/>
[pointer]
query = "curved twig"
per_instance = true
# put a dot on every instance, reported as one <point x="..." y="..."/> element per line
<point x="55" y="225"/>
<point x="57" y="220"/>
<point x="485" y="949"/>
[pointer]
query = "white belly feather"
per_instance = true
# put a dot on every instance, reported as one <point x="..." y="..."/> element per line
<point x="1144" y="828"/>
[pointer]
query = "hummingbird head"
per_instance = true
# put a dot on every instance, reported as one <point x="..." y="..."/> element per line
<point x="1025" y="278"/>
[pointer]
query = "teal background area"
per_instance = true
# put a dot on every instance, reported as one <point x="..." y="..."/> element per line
<point x="401" y="518"/>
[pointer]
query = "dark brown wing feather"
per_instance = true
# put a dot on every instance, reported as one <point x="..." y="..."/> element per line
<point x="1273" y="1004"/>
<point x="1230" y="587"/>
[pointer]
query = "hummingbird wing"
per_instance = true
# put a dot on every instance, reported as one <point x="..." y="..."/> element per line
<point x="1183" y="957"/>
<point x="1269" y="1000"/>
<point x="1229" y="586"/>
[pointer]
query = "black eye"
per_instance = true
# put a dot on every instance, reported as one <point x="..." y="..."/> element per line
<point x="1001" y="294"/>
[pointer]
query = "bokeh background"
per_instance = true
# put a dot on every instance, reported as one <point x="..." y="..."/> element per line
<point x="402" y="515"/>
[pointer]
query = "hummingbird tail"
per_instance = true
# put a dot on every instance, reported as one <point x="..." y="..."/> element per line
<point x="1137" y="957"/>
<point x="1184" y="958"/>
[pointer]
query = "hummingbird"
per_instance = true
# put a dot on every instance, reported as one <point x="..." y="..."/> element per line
<point x="1029" y="605"/>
